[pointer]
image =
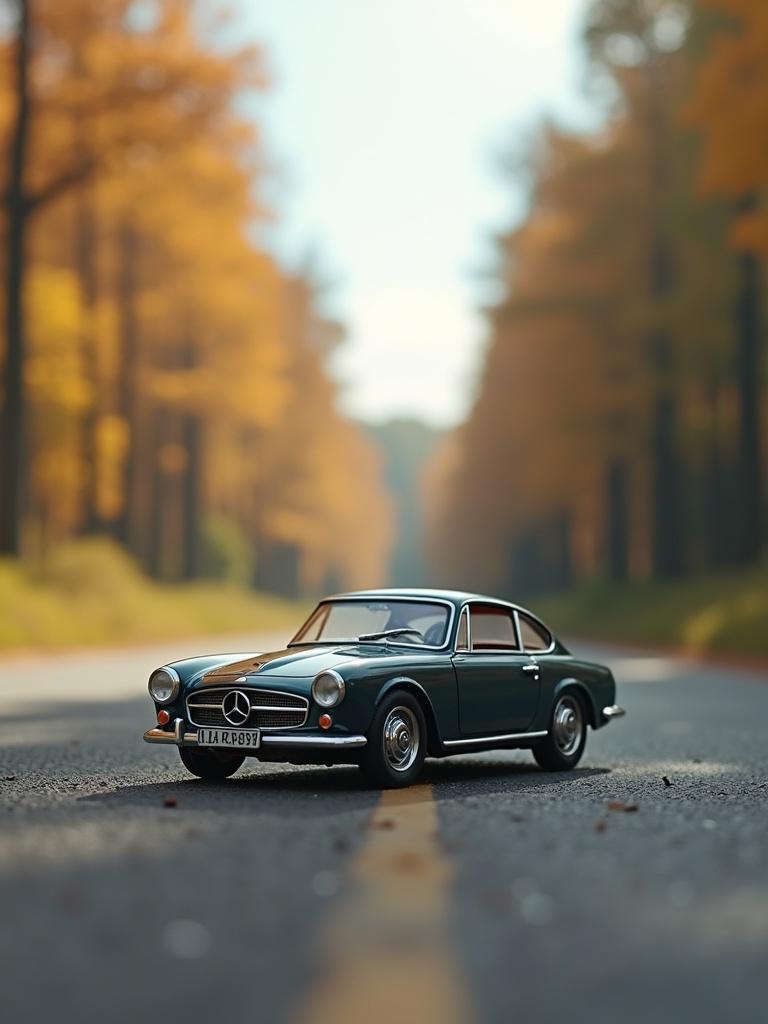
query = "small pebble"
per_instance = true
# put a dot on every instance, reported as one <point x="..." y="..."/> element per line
<point x="325" y="883"/>
<point x="187" y="940"/>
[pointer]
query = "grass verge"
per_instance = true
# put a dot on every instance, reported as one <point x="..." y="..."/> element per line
<point x="723" y="613"/>
<point x="91" y="593"/>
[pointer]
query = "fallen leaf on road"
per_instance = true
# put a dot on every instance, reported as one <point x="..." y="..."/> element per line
<point x="600" y="826"/>
<point x="619" y="805"/>
<point x="384" y="823"/>
<point x="170" y="801"/>
<point x="408" y="862"/>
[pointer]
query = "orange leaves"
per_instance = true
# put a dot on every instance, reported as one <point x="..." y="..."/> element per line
<point x="730" y="103"/>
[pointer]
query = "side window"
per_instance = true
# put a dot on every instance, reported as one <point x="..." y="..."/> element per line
<point x="492" y="629"/>
<point x="534" y="636"/>
<point x="462" y="637"/>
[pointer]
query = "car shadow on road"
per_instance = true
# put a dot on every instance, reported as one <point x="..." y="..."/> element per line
<point x="313" y="791"/>
<point x="460" y="778"/>
<point x="305" y="792"/>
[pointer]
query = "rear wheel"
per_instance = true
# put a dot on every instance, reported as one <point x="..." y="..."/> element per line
<point x="394" y="755"/>
<point x="567" y="736"/>
<point x="210" y="764"/>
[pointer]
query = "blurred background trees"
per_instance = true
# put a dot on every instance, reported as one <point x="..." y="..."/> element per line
<point x="163" y="379"/>
<point x="618" y="431"/>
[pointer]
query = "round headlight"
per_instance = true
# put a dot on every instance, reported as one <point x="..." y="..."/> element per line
<point x="328" y="689"/>
<point x="164" y="685"/>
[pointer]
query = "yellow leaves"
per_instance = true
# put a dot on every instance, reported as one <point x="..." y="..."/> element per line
<point x="171" y="360"/>
<point x="112" y="444"/>
<point x="54" y="369"/>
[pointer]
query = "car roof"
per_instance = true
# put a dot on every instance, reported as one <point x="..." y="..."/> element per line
<point x="457" y="597"/>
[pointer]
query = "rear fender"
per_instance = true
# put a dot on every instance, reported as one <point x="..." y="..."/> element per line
<point x="584" y="692"/>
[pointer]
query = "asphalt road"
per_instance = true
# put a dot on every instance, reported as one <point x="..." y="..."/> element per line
<point x="130" y="891"/>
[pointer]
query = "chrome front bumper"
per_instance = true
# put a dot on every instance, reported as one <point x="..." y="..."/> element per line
<point x="182" y="738"/>
<point x="614" y="711"/>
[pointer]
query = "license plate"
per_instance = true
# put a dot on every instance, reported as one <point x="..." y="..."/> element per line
<point x="241" y="739"/>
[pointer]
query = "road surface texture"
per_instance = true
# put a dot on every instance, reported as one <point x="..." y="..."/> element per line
<point x="633" y="889"/>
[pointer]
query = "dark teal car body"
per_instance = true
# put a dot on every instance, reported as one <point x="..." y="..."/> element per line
<point x="470" y="695"/>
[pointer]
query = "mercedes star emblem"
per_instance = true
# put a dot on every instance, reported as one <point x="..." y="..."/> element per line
<point x="236" y="707"/>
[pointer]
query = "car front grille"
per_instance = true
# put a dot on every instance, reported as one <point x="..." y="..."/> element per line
<point x="270" y="709"/>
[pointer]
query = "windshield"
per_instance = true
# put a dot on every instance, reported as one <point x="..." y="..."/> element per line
<point x="413" y="623"/>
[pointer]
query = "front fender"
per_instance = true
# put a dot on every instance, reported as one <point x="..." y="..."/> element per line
<point x="434" y="742"/>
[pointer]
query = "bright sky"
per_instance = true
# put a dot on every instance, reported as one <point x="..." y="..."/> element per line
<point x="387" y="118"/>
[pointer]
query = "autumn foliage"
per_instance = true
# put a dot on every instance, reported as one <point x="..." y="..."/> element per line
<point x="618" y="429"/>
<point x="164" y="379"/>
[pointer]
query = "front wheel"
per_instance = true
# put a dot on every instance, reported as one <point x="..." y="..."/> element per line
<point x="394" y="755"/>
<point x="212" y="765"/>
<point x="564" y="744"/>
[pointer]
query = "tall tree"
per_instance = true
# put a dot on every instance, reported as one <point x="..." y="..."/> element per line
<point x="730" y="106"/>
<point x="17" y="205"/>
<point x="633" y="41"/>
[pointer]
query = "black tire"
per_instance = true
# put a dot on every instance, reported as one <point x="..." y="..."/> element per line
<point x="209" y="764"/>
<point x="567" y="736"/>
<point x="397" y="742"/>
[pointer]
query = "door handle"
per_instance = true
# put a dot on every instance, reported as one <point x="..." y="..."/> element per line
<point x="530" y="668"/>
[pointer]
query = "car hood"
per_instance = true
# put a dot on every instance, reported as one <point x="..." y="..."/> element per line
<point x="293" y="663"/>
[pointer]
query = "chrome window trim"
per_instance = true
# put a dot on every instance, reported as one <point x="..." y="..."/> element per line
<point x="492" y="739"/>
<point x="464" y="613"/>
<point x="538" y="622"/>
<point x="254" y="707"/>
<point x="514" y="609"/>
<point x="449" y="637"/>
<point x="518" y="631"/>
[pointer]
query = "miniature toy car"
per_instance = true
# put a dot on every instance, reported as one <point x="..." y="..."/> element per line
<point x="384" y="679"/>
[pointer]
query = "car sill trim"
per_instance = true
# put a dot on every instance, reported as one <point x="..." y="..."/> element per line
<point x="493" y="739"/>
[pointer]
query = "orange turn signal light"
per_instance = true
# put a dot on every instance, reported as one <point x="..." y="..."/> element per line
<point x="163" y="718"/>
<point x="325" y="721"/>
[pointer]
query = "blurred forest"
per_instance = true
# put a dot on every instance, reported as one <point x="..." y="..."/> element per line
<point x="163" y="379"/>
<point x="619" y="430"/>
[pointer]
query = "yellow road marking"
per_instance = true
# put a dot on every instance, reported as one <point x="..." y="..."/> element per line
<point x="386" y="951"/>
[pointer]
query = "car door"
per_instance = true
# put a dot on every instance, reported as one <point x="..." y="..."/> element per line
<point x="498" y="683"/>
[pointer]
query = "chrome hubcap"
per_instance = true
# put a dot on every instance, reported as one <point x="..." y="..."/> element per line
<point x="567" y="725"/>
<point x="401" y="739"/>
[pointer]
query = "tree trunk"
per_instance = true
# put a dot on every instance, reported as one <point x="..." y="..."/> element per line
<point x="719" y="508"/>
<point x="155" y="560"/>
<point x="618" y="521"/>
<point x="13" y="408"/>
<point x="749" y="368"/>
<point x="85" y="245"/>
<point x="192" y="498"/>
<point x="126" y="529"/>
<point x="667" y="555"/>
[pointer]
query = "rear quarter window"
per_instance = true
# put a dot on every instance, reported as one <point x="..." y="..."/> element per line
<point x="533" y="635"/>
